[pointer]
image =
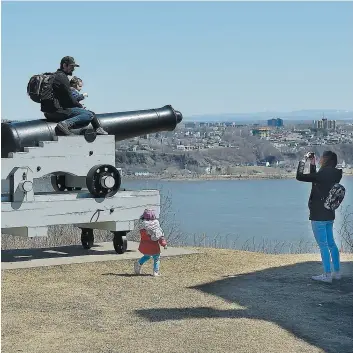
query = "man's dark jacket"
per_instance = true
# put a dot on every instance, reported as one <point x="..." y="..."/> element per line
<point x="322" y="181"/>
<point x="63" y="99"/>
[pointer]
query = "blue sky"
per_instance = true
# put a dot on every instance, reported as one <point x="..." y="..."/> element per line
<point x="201" y="57"/>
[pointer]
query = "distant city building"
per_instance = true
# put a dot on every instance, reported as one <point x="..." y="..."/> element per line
<point x="142" y="173"/>
<point x="325" y="124"/>
<point x="184" y="148"/>
<point x="262" y="132"/>
<point x="190" y="125"/>
<point x="275" y="122"/>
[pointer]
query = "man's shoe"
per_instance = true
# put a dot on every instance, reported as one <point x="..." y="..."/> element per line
<point x="100" y="131"/>
<point x="97" y="127"/>
<point x="63" y="128"/>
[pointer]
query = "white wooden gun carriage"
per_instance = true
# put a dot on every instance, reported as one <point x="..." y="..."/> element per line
<point x="86" y="183"/>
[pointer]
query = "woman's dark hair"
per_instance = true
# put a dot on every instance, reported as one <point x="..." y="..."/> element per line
<point x="75" y="81"/>
<point x="329" y="159"/>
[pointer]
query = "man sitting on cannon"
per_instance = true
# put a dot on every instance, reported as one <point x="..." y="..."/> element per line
<point x="53" y="92"/>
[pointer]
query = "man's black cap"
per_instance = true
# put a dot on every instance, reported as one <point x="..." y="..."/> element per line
<point x="69" y="60"/>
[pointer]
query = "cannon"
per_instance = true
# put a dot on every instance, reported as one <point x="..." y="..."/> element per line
<point x="86" y="183"/>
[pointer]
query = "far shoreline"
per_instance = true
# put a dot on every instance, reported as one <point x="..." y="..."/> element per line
<point x="211" y="177"/>
<point x="216" y="177"/>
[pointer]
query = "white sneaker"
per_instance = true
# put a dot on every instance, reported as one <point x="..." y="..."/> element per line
<point x="336" y="275"/>
<point x="137" y="268"/>
<point x="323" y="278"/>
<point x="156" y="274"/>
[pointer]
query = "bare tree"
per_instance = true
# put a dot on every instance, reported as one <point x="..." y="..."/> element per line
<point x="346" y="230"/>
<point x="168" y="221"/>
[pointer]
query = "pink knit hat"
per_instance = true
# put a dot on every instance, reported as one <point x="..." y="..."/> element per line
<point x="149" y="214"/>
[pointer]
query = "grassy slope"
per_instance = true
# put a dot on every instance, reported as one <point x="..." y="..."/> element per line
<point x="270" y="305"/>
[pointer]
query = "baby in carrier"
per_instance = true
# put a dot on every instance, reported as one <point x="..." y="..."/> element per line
<point x="76" y="85"/>
<point x="152" y="237"/>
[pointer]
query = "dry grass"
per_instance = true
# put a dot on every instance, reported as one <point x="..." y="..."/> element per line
<point x="194" y="307"/>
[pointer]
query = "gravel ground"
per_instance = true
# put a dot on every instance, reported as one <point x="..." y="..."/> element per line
<point x="215" y="301"/>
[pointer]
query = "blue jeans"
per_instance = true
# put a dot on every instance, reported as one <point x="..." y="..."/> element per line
<point x="156" y="261"/>
<point x="79" y="118"/>
<point x="323" y="232"/>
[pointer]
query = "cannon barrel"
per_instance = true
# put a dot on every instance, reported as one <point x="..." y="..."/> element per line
<point x="17" y="135"/>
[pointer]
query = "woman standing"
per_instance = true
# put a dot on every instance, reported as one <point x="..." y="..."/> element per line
<point x="322" y="218"/>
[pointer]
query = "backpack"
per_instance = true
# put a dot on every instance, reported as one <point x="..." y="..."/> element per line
<point x="39" y="87"/>
<point x="335" y="197"/>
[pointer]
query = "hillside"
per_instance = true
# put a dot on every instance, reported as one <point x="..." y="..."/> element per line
<point x="246" y="151"/>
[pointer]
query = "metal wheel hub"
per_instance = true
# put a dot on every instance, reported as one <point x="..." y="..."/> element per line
<point x="103" y="180"/>
<point x="107" y="181"/>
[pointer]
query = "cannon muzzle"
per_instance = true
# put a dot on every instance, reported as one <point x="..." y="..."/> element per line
<point x="124" y="125"/>
<point x="136" y="123"/>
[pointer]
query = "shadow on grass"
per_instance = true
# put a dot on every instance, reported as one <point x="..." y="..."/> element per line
<point x="318" y="313"/>
<point x="21" y="255"/>
<point x="127" y="274"/>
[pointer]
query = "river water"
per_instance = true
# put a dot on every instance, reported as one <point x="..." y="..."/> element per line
<point x="232" y="213"/>
<point x="258" y="215"/>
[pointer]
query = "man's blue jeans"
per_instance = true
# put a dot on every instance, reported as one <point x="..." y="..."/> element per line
<point x="323" y="232"/>
<point x="79" y="118"/>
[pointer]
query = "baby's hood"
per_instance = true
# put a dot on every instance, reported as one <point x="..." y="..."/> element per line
<point x="150" y="225"/>
<point x="153" y="228"/>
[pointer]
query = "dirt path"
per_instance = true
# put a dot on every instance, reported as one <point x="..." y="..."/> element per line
<point x="74" y="254"/>
<point x="215" y="301"/>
